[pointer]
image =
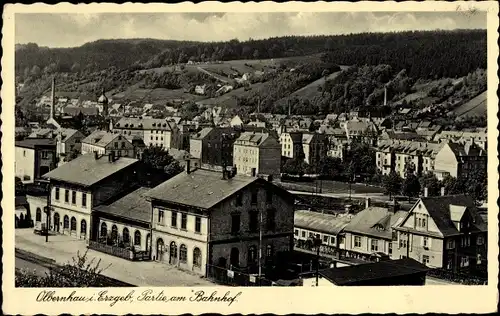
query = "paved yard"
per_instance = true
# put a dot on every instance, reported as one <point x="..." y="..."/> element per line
<point x="63" y="248"/>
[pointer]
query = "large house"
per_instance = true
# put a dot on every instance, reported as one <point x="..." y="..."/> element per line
<point x="443" y="232"/>
<point x="105" y="143"/>
<point x="313" y="147"/>
<point x="459" y="160"/>
<point x="291" y="145"/>
<point x="257" y="154"/>
<point x="34" y="158"/>
<point x="204" y="218"/>
<point x="214" y="145"/>
<point x="155" y="132"/>
<point x="68" y="140"/>
<point x="82" y="184"/>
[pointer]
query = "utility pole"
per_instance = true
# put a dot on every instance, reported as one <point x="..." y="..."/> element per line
<point x="47" y="212"/>
<point x="316" y="242"/>
<point x="260" y="245"/>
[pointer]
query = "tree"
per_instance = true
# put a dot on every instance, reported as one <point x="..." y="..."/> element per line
<point x="411" y="185"/>
<point x="35" y="71"/>
<point x="295" y="166"/>
<point x="477" y="186"/>
<point x="72" y="155"/>
<point x="256" y="54"/>
<point x="392" y="184"/>
<point x="173" y="169"/>
<point x="330" y="167"/>
<point x="79" y="273"/>
<point x="430" y="182"/>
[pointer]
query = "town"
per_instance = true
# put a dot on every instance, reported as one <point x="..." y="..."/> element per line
<point x="355" y="196"/>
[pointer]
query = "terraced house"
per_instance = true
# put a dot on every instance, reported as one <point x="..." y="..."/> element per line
<point x="155" y="132"/>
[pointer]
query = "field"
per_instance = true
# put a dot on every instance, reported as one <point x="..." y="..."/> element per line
<point x="475" y="107"/>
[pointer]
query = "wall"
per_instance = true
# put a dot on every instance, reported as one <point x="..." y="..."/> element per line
<point x="144" y="245"/>
<point x="270" y="158"/>
<point x="195" y="148"/>
<point x="446" y="161"/>
<point x="37" y="202"/>
<point x="161" y="138"/>
<point x="25" y="164"/>
<point x="245" y="158"/>
<point x="114" y="185"/>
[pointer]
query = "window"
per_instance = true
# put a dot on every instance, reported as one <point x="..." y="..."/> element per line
<point x="425" y="259"/>
<point x="57" y="194"/>
<point x="73" y="197"/>
<point x="450" y="244"/>
<point x="425" y="241"/>
<point x="357" y="241"/>
<point x="66" y="222"/>
<point x="325" y="239"/>
<point x="137" y="238"/>
<point x="125" y="235"/>
<point x="161" y="216"/>
<point x="254" y="196"/>
<point x="419" y="222"/>
<point x="480" y="240"/>
<point x="271" y="219"/>
<point x="83" y="227"/>
<point x="183" y="221"/>
<point x="239" y="199"/>
<point x="45" y="154"/>
<point x="73" y="224"/>
<point x="303" y="234"/>
<point x="84" y="199"/>
<point x="235" y="223"/>
<point x="38" y="215"/>
<point x="296" y="232"/>
<point x="464" y="262"/>
<point x="311" y="235"/>
<point x="104" y="230"/>
<point x="252" y="254"/>
<point x="66" y="196"/>
<point x="183" y="253"/>
<point x="269" y="251"/>
<point x="197" y="257"/>
<point x="423" y="223"/>
<point x="116" y="145"/>
<point x="123" y="144"/>
<point x="374" y="245"/>
<point x="253" y="221"/>
<point x="173" y="221"/>
<point x="390" y="248"/>
<point x="332" y="240"/>
<point x="269" y="196"/>
<point x="197" y="224"/>
<point x="478" y="259"/>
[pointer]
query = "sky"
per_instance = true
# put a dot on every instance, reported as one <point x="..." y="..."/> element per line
<point x="70" y="30"/>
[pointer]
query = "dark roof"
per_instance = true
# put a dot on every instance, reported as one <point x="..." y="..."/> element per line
<point x="200" y="188"/>
<point x="74" y="110"/>
<point x="34" y="142"/>
<point x="132" y="206"/>
<point x="439" y="209"/>
<point x="375" y="221"/>
<point x="86" y="170"/>
<point x="373" y="271"/>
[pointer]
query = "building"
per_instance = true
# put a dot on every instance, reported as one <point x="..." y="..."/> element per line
<point x="257" y="154"/>
<point x="369" y="232"/>
<point x="313" y="147"/>
<point x="384" y="273"/>
<point x="291" y="145"/>
<point x="459" y="160"/>
<point x="155" y="132"/>
<point x="479" y="136"/>
<point x="443" y="232"/>
<point x="68" y="140"/>
<point x="105" y="143"/>
<point x="34" y="158"/>
<point x="82" y="184"/>
<point x="204" y="218"/>
<point x="214" y="146"/>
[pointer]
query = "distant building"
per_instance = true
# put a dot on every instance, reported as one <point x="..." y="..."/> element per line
<point x="443" y="232"/>
<point x="291" y="145"/>
<point x="155" y="132"/>
<point x="257" y="154"/>
<point x="34" y="158"/>
<point x="214" y="146"/>
<point x="106" y="143"/>
<point x="459" y="160"/>
<point x="68" y="140"/>
<point x="313" y="147"/>
<point x="203" y="219"/>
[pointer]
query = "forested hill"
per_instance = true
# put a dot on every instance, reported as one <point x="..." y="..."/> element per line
<point x="430" y="54"/>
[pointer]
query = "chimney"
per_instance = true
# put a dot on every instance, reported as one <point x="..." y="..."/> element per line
<point x="367" y="202"/>
<point x="443" y="192"/>
<point x="385" y="96"/>
<point x="289" y="108"/>
<point x="426" y="192"/>
<point x="188" y="166"/>
<point x="53" y="104"/>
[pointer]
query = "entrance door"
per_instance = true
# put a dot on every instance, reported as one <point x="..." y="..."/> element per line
<point x="235" y="257"/>
<point x="173" y="253"/>
<point x="56" y="222"/>
<point x="160" y="248"/>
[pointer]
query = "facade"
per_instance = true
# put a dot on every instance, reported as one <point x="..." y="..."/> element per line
<point x="443" y="232"/>
<point x="34" y="158"/>
<point x="82" y="184"/>
<point x="291" y="144"/>
<point x="68" y="140"/>
<point x="105" y="143"/>
<point x="257" y="153"/>
<point x="370" y="232"/>
<point x="459" y="160"/>
<point x="314" y="147"/>
<point x="214" y="145"/>
<point x="155" y="132"/>
<point x="205" y="218"/>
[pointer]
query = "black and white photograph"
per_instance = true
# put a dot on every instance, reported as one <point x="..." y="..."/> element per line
<point x="240" y="149"/>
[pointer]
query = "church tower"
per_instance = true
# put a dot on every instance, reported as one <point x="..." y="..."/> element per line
<point x="103" y="100"/>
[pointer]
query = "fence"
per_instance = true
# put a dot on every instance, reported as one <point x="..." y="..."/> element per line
<point x="124" y="253"/>
<point x="233" y="277"/>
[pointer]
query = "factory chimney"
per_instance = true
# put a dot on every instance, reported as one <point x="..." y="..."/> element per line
<point x="53" y="101"/>
<point x="385" y="96"/>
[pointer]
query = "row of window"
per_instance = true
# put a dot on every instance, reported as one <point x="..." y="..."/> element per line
<point x="125" y="236"/>
<point x="254" y="220"/>
<point x="161" y="250"/>
<point x="184" y="219"/>
<point x="254" y="197"/>
<point x="73" y="196"/>
<point x="325" y="238"/>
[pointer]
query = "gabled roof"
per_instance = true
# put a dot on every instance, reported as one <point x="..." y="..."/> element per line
<point x="202" y="134"/>
<point x="35" y="142"/>
<point x="356" y="274"/>
<point x="375" y="221"/>
<point x="132" y="206"/>
<point x="255" y="139"/>
<point x="87" y="171"/>
<point x="326" y="223"/>
<point x="100" y="138"/>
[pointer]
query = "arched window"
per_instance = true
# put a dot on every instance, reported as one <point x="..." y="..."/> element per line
<point x="137" y="238"/>
<point x="104" y="229"/>
<point x="66" y="222"/>
<point x="183" y="254"/>
<point x="114" y="233"/>
<point x="252" y="254"/>
<point x="38" y="215"/>
<point x="173" y="250"/>
<point x="126" y="235"/>
<point x="269" y="250"/>
<point x="73" y="224"/>
<point x="83" y="227"/>
<point x="197" y="257"/>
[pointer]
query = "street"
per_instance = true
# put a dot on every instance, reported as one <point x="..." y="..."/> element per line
<point x="63" y="248"/>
